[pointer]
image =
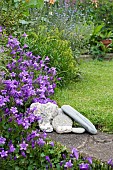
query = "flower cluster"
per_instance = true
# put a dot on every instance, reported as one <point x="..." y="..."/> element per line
<point x="30" y="80"/>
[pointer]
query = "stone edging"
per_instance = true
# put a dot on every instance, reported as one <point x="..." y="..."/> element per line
<point x="108" y="56"/>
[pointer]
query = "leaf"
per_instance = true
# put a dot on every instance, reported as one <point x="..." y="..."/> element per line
<point x="16" y="0"/>
<point x="23" y="22"/>
<point x="42" y="155"/>
<point x="98" y="28"/>
<point x="30" y="167"/>
<point x="17" y="168"/>
<point x="35" y="3"/>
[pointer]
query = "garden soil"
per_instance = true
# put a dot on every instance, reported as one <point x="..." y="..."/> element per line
<point x="99" y="146"/>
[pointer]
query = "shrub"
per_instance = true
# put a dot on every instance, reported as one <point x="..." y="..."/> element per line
<point x="15" y="14"/>
<point x="49" y="43"/>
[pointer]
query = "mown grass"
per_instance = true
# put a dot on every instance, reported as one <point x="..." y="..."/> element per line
<point x="93" y="94"/>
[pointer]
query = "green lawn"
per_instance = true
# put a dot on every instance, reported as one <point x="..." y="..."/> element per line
<point x="93" y="94"/>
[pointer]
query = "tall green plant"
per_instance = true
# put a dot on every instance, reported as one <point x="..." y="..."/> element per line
<point x="48" y="43"/>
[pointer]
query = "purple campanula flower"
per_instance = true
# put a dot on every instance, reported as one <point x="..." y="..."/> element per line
<point x="50" y="165"/>
<point x="26" y="123"/>
<point x="110" y="162"/>
<point x="12" y="148"/>
<point x="89" y="160"/>
<point x="15" y="157"/>
<point x="14" y="110"/>
<point x="52" y="144"/>
<point x="25" y="46"/>
<point x="84" y="166"/>
<point x="19" y="101"/>
<point x="2" y="140"/>
<point x="31" y="118"/>
<point x="61" y="163"/>
<point x="10" y="130"/>
<point x="13" y="52"/>
<point x="59" y="78"/>
<point x="2" y="101"/>
<point x="64" y="156"/>
<point x="68" y="164"/>
<point x="10" y="36"/>
<point x="1" y="29"/>
<point x="23" y="154"/>
<point x="12" y="74"/>
<point x="44" y="135"/>
<point x="47" y="158"/>
<point x="47" y="58"/>
<point x="40" y="142"/>
<point x="75" y="153"/>
<point x="24" y="35"/>
<point x="23" y="146"/>
<point x="4" y="153"/>
<point x="33" y="144"/>
<point x="4" y="92"/>
<point x="19" y="121"/>
<point x="10" y="119"/>
<point x="32" y="135"/>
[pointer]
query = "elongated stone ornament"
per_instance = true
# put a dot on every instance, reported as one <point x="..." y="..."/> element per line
<point x="78" y="117"/>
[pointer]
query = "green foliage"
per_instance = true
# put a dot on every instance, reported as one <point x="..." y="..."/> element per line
<point x="98" y="49"/>
<point x="49" y="43"/>
<point x="15" y="13"/>
<point x="104" y="13"/>
<point x="4" y="56"/>
<point x="79" y="35"/>
<point x="72" y="26"/>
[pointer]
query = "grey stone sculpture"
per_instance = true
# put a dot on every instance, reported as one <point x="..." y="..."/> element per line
<point x="58" y="119"/>
<point x="47" y="111"/>
<point x="82" y="120"/>
<point x="62" y="123"/>
<point x="78" y="130"/>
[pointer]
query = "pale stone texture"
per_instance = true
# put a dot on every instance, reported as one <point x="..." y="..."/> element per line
<point x="82" y="120"/>
<point x="47" y="111"/>
<point x="78" y="130"/>
<point x="62" y="123"/>
<point x="64" y="129"/>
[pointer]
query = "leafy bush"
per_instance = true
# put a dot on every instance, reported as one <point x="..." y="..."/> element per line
<point x="79" y="35"/>
<point x="15" y="14"/>
<point x="98" y="13"/>
<point x="72" y="25"/>
<point x="49" y="43"/>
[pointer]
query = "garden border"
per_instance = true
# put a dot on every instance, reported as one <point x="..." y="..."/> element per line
<point x="109" y="56"/>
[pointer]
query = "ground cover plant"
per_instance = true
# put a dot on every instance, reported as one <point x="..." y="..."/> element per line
<point x="92" y="96"/>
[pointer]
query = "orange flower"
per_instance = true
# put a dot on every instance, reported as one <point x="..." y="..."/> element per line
<point x="27" y="0"/>
<point x="51" y="1"/>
